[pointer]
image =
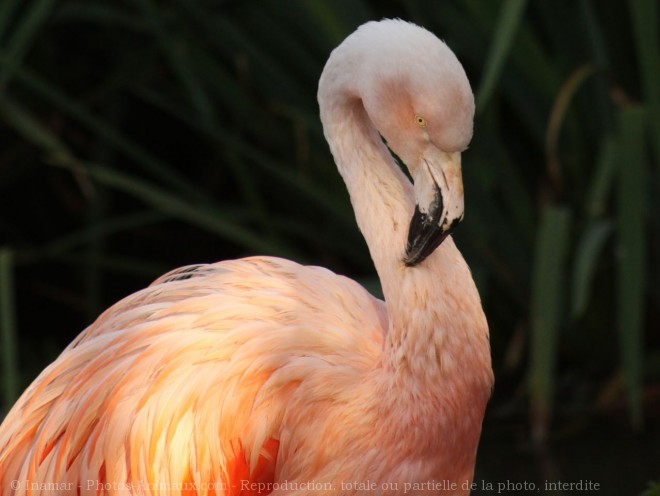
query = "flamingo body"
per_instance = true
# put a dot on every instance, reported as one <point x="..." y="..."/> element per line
<point x="262" y="376"/>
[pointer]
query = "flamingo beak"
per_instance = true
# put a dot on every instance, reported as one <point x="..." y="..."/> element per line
<point x="439" y="203"/>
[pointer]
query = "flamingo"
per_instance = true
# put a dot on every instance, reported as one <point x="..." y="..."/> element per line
<point x="262" y="376"/>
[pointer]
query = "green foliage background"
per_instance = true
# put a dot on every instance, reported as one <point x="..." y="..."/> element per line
<point x="140" y="135"/>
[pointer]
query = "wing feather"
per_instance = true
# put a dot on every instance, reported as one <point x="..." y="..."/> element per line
<point x="191" y="378"/>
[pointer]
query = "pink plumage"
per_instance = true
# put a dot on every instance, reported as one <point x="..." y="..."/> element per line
<point x="262" y="376"/>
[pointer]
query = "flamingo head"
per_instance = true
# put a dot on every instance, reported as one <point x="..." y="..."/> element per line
<point x="416" y="94"/>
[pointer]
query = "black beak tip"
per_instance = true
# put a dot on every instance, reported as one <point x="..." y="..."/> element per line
<point x="424" y="236"/>
<point x="417" y="253"/>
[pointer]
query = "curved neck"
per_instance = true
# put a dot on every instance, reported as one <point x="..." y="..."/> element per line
<point x="381" y="194"/>
<point x="424" y="302"/>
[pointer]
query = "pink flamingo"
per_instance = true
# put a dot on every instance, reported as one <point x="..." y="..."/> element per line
<point x="262" y="376"/>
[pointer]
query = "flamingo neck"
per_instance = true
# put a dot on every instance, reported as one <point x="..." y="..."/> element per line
<point x="381" y="194"/>
<point x="434" y="310"/>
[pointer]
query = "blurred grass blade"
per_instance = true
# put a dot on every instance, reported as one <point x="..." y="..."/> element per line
<point x="25" y="32"/>
<point x="173" y="51"/>
<point x="557" y="116"/>
<point x="280" y="171"/>
<point x="9" y="354"/>
<point x="603" y="177"/>
<point x="653" y="490"/>
<point x="209" y="218"/>
<point x="121" y="264"/>
<point x="24" y="124"/>
<point x="546" y="312"/>
<point x="631" y="235"/>
<point x="6" y="14"/>
<point x="333" y="18"/>
<point x="602" y="115"/>
<point x="645" y="15"/>
<point x="231" y="39"/>
<point x="72" y="241"/>
<point x="588" y="254"/>
<point x="142" y="157"/>
<point x="507" y="27"/>
<point x="94" y="252"/>
<point x="99" y="15"/>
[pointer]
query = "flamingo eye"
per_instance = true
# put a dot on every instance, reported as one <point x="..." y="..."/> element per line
<point x="421" y="122"/>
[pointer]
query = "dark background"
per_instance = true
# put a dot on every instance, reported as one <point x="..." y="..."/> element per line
<point x="140" y="135"/>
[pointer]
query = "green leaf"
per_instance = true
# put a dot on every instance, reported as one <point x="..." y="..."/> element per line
<point x="6" y="14"/>
<point x="9" y="353"/>
<point x="588" y="254"/>
<point x="631" y="234"/>
<point x="174" y="51"/>
<point x="645" y="15"/>
<point x="603" y="178"/>
<point x="99" y="15"/>
<point x="653" y="490"/>
<point x="23" y="36"/>
<point x="557" y="116"/>
<point x="24" y="124"/>
<point x="206" y="216"/>
<point x="338" y="17"/>
<point x="74" y="240"/>
<point x="209" y="218"/>
<point x="72" y="108"/>
<point x="507" y="27"/>
<point x="546" y="311"/>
